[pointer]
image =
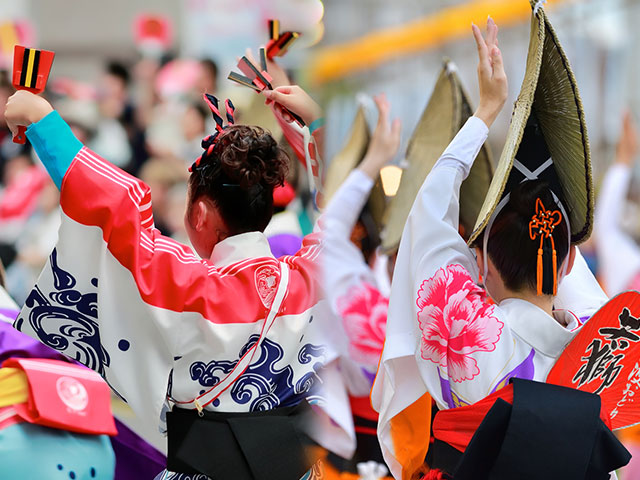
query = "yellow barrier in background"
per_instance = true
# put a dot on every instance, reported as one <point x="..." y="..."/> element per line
<point x="337" y="61"/>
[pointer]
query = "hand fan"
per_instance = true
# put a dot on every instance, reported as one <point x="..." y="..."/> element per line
<point x="604" y="358"/>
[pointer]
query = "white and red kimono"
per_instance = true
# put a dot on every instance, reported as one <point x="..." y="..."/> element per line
<point x="158" y="322"/>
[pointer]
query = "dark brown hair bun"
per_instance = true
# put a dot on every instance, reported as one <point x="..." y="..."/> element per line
<point x="250" y="156"/>
<point x="239" y="176"/>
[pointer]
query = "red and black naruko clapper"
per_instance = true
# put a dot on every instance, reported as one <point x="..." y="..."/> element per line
<point x="604" y="358"/>
<point x="279" y="42"/>
<point x="258" y="78"/>
<point x="31" y="69"/>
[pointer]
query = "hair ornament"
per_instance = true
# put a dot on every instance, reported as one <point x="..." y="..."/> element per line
<point x="541" y="226"/>
<point x="209" y="142"/>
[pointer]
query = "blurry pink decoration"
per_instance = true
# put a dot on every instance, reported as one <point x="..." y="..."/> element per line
<point x="294" y="15"/>
<point x="178" y="77"/>
<point x="20" y="199"/>
<point x="153" y="34"/>
<point x="73" y="89"/>
<point x="14" y="33"/>
<point x="364" y="315"/>
<point x="283" y="195"/>
<point x="313" y="35"/>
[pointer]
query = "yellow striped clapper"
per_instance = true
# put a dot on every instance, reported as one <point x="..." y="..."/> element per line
<point x="31" y="69"/>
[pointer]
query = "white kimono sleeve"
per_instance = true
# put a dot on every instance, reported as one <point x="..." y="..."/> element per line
<point x="435" y="273"/>
<point x="351" y="286"/>
<point x="618" y="253"/>
<point x="110" y="293"/>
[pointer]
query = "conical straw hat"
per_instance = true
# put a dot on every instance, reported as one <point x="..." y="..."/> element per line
<point x="548" y="121"/>
<point x="349" y="158"/>
<point x="447" y="111"/>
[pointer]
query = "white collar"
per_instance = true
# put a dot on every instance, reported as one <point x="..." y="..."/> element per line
<point x="569" y="319"/>
<point x="537" y="327"/>
<point x="240" y="247"/>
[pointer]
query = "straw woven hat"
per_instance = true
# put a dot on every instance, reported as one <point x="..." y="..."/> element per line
<point x="347" y="159"/>
<point x="447" y="111"/>
<point x="548" y="122"/>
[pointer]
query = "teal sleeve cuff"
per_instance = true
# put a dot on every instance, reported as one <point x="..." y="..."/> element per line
<point x="316" y="124"/>
<point x="55" y="144"/>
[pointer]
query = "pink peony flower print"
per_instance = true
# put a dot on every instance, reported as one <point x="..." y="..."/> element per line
<point x="456" y="320"/>
<point x="364" y="315"/>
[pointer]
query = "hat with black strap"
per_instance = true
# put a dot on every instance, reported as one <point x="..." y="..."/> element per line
<point x="547" y="138"/>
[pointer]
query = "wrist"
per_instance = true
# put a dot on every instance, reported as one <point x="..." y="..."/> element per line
<point x="624" y="159"/>
<point x="314" y="114"/>
<point x="316" y="125"/>
<point x="487" y="114"/>
<point x="38" y="113"/>
<point x="371" y="166"/>
<point x="370" y="173"/>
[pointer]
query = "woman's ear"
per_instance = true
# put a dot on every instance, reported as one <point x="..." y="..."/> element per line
<point x="571" y="258"/>
<point x="480" y="260"/>
<point x="200" y="215"/>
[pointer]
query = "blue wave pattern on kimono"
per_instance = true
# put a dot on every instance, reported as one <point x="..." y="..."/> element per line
<point x="263" y="385"/>
<point x="66" y="320"/>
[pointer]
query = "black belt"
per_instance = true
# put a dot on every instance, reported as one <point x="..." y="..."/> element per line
<point x="267" y="445"/>
<point x="520" y="440"/>
<point x="442" y="456"/>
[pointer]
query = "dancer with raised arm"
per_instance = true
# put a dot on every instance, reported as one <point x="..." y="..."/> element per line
<point x="446" y="337"/>
<point x="226" y="341"/>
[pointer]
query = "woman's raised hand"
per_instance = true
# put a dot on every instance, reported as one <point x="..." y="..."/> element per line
<point x="492" y="78"/>
<point x="24" y="108"/>
<point x="385" y="140"/>
<point x="628" y="144"/>
<point x="295" y="99"/>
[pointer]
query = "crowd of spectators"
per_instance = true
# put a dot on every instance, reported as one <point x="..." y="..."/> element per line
<point x="148" y="119"/>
